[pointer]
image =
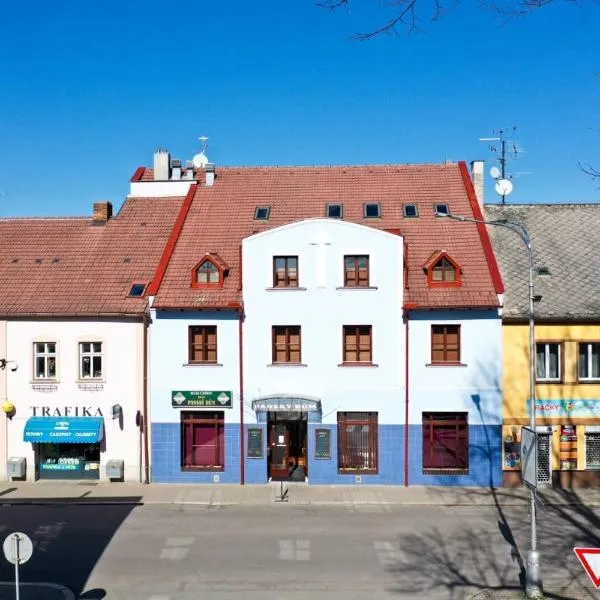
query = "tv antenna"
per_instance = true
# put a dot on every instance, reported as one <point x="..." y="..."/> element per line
<point x="504" y="144"/>
<point x="200" y="160"/>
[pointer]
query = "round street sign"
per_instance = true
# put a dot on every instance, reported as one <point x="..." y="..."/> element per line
<point x="17" y="546"/>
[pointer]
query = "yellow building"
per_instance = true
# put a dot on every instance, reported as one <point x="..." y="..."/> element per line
<point x="567" y="334"/>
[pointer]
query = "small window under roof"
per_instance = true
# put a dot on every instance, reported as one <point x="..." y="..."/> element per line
<point x="335" y="211"/>
<point x="262" y="213"/>
<point x="411" y="210"/>
<point x="442" y="209"/>
<point x="372" y="210"/>
<point x="137" y="290"/>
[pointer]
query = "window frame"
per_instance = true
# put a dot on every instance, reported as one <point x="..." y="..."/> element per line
<point x="257" y="213"/>
<point x="589" y="354"/>
<point x="45" y="355"/>
<point x="365" y="210"/>
<point x="437" y="205"/>
<point x="547" y="344"/>
<point x="190" y="418"/>
<point x="346" y="332"/>
<point x="405" y="212"/>
<point x="286" y="277"/>
<point x="205" y="348"/>
<point x="220" y="269"/>
<point x="287" y="331"/>
<point x="445" y="348"/>
<point x="330" y="205"/>
<point x="356" y="270"/>
<point x="91" y="354"/>
<point x="429" y="420"/>
<point x="356" y="418"/>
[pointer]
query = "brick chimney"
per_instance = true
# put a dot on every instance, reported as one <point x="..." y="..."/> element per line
<point x="478" y="178"/>
<point x="102" y="212"/>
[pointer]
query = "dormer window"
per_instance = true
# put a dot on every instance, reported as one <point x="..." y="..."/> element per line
<point x="442" y="270"/>
<point x="209" y="272"/>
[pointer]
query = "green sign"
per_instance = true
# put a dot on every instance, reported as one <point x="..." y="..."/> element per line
<point x="201" y="399"/>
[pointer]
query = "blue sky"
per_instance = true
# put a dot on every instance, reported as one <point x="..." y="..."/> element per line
<point x="88" y="90"/>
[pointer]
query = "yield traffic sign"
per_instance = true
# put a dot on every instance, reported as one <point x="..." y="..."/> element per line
<point x="590" y="559"/>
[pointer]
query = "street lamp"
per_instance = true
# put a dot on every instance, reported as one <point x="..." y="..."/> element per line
<point x="533" y="576"/>
<point x="12" y="363"/>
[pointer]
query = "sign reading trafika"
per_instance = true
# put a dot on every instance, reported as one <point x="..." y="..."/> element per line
<point x="18" y="549"/>
<point x="590" y="559"/>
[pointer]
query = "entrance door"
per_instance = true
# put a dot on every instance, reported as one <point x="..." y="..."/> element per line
<point x="543" y="458"/>
<point x="279" y="450"/>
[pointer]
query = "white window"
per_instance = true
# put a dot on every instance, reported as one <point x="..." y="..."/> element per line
<point x="589" y="361"/>
<point x="44" y="360"/>
<point x="548" y="361"/>
<point x="90" y="360"/>
<point x="592" y="451"/>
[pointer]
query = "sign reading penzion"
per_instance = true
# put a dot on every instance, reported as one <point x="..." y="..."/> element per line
<point x="201" y="399"/>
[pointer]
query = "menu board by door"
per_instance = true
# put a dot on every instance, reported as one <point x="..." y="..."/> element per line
<point x="322" y="443"/>
<point x="255" y="443"/>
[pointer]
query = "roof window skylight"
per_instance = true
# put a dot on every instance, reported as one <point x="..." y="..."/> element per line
<point x="334" y="211"/>
<point x="262" y="213"/>
<point x="442" y="209"/>
<point x="372" y="210"/>
<point x="137" y="290"/>
<point x="411" y="210"/>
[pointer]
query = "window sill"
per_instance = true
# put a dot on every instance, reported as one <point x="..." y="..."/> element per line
<point x="588" y="381"/>
<point x="546" y="381"/>
<point x="287" y="364"/>
<point x="285" y="289"/>
<point x="358" y="364"/>
<point x="358" y="472"/>
<point x="445" y="471"/>
<point x="357" y="287"/>
<point x="446" y="364"/>
<point x="44" y="381"/>
<point x="202" y="364"/>
<point x="90" y="380"/>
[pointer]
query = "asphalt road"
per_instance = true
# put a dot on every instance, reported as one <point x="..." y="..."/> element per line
<point x="284" y="552"/>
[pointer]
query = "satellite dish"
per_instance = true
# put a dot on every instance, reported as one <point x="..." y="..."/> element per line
<point x="495" y="172"/>
<point x="200" y="160"/>
<point x="504" y="187"/>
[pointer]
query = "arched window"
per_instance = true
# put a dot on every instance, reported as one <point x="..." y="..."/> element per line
<point x="442" y="270"/>
<point x="209" y="272"/>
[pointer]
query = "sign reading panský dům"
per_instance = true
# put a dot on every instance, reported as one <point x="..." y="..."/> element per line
<point x="201" y="399"/>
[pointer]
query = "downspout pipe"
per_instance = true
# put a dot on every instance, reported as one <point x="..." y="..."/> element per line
<point x="406" y="397"/>
<point x="241" y="363"/>
<point x="144" y="423"/>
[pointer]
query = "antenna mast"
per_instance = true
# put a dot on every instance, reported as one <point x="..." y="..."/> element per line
<point x="505" y="137"/>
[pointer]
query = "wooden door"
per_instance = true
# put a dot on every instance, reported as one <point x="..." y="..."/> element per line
<point x="279" y="444"/>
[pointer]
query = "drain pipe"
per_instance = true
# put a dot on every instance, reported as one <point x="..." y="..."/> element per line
<point x="241" y="362"/>
<point x="144" y="422"/>
<point x="406" y="396"/>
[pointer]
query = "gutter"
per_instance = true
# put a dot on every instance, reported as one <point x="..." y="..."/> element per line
<point x="241" y="397"/>
<point x="144" y="423"/>
<point x="406" y="401"/>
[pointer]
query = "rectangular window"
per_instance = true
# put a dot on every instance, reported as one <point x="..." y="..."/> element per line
<point x="358" y="343"/>
<point x="357" y="442"/>
<point x="589" y="361"/>
<point x="90" y="360"/>
<point x="445" y="344"/>
<point x="285" y="271"/>
<point x="202" y="441"/>
<point x="286" y="344"/>
<point x="44" y="360"/>
<point x="592" y="451"/>
<point x="445" y="443"/>
<point x="356" y="271"/>
<point x="203" y="344"/>
<point x="548" y="365"/>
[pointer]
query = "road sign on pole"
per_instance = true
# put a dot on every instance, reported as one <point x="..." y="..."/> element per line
<point x="529" y="457"/>
<point x="590" y="559"/>
<point x="18" y="549"/>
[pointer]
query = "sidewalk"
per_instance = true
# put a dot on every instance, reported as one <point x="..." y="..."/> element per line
<point x="45" y="492"/>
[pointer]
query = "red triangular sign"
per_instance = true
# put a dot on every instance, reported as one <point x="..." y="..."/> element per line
<point x="590" y="559"/>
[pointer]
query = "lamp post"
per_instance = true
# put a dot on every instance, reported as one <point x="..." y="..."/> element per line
<point x="5" y="363"/>
<point x="533" y="576"/>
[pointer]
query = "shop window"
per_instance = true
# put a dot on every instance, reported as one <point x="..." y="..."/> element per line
<point x="90" y="360"/>
<point x="285" y="271"/>
<point x="202" y="344"/>
<point x="357" y="442"/>
<point x="44" y="360"/>
<point x="286" y="344"/>
<point x="356" y="271"/>
<point x="445" y="443"/>
<point x="568" y="447"/>
<point x="589" y="361"/>
<point x="68" y="461"/>
<point x="548" y="361"/>
<point x="592" y="451"/>
<point x="358" y="344"/>
<point x="203" y="441"/>
<point x="512" y="450"/>
<point x="445" y="344"/>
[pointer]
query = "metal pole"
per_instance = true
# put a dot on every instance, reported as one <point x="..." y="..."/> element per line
<point x="533" y="579"/>
<point x="18" y="557"/>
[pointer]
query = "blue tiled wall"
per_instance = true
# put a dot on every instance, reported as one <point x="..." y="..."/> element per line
<point x="391" y="465"/>
<point x="166" y="456"/>
<point x="485" y="458"/>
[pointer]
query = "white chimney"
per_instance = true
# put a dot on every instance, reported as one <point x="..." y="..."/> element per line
<point x="162" y="160"/>
<point x="209" y="171"/>
<point x="478" y="177"/>
<point x="175" y="169"/>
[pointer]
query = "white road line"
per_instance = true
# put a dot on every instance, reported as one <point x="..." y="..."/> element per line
<point x="159" y="598"/>
<point x="176" y="548"/>
<point x="294" y="550"/>
<point x="388" y="553"/>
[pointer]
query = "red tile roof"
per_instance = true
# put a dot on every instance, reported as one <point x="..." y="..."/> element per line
<point x="219" y="217"/>
<point x="71" y="266"/>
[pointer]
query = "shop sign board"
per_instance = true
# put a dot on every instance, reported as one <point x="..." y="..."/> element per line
<point x="590" y="559"/>
<point x="201" y="399"/>
<point x="586" y="408"/>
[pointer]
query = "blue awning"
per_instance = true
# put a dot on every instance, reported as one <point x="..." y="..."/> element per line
<point x="61" y="430"/>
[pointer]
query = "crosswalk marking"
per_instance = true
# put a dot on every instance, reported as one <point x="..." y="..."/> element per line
<point x="176" y="548"/>
<point x="294" y="550"/>
<point x="368" y="508"/>
<point x="388" y="553"/>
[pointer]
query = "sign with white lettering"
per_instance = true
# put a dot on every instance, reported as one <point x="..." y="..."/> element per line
<point x="201" y="399"/>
